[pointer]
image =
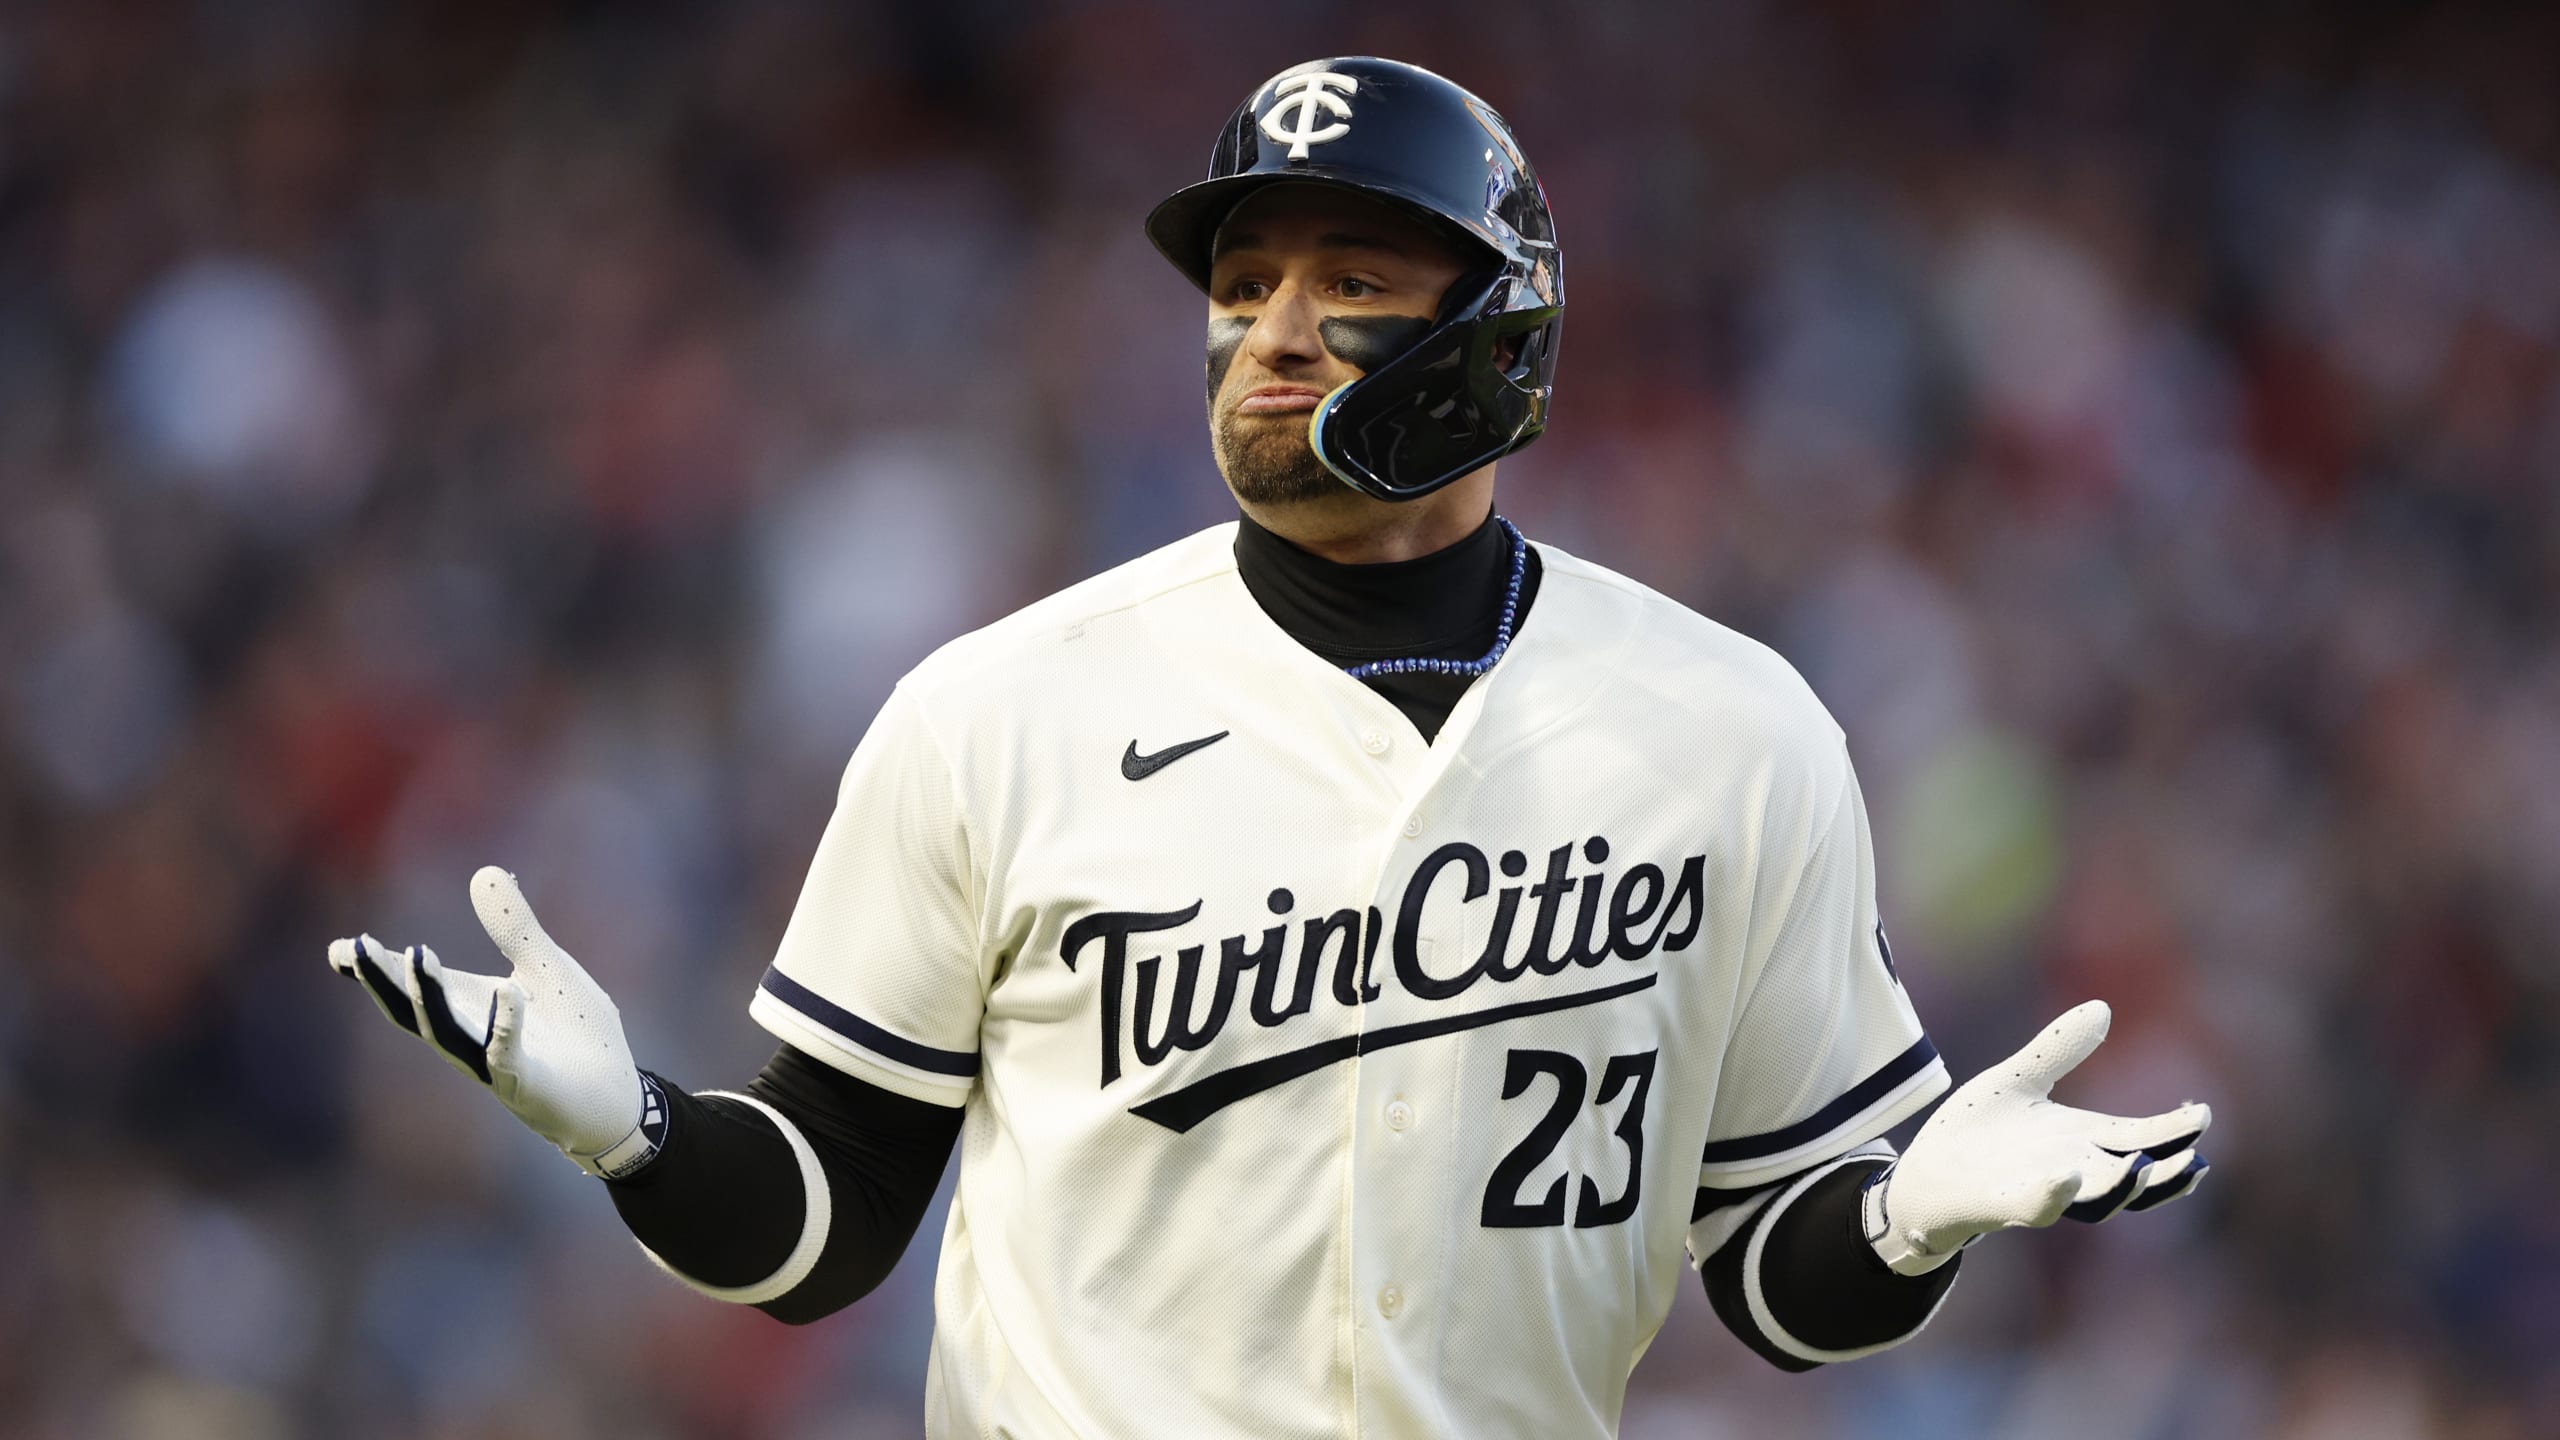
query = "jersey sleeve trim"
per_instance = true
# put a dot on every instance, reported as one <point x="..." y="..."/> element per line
<point x="1899" y="1087"/>
<point x="831" y="1049"/>
<point x="861" y="1034"/>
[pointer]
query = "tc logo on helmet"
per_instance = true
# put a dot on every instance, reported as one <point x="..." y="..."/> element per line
<point x="1303" y="95"/>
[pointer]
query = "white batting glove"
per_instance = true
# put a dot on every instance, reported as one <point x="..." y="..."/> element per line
<point x="546" y="1039"/>
<point x="2000" y="1155"/>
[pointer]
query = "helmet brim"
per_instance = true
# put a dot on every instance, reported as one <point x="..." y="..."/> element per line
<point x="1184" y="226"/>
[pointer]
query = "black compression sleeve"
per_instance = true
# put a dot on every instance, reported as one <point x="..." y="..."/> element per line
<point x="883" y="1153"/>
<point x="724" y="1202"/>
<point x="1822" y="1282"/>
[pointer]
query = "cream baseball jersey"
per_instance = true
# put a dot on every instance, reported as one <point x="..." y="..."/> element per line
<point x="1319" y="1081"/>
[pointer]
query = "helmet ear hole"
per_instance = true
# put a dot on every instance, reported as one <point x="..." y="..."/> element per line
<point x="1520" y="355"/>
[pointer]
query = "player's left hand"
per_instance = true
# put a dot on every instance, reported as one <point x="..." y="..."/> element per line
<point x="2001" y="1155"/>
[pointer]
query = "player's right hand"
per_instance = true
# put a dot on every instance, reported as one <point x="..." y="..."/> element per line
<point x="545" y="1039"/>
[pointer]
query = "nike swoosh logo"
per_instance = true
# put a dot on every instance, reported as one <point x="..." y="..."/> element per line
<point x="1134" y="766"/>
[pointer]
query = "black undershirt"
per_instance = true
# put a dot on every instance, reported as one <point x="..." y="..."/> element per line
<point x="1446" y="605"/>
<point x="724" y="1202"/>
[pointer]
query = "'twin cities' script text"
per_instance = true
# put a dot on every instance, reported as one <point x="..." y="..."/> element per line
<point x="1644" y="912"/>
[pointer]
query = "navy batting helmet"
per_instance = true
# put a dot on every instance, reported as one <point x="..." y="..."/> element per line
<point x="1461" y="397"/>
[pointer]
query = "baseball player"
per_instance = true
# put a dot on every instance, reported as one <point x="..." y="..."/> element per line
<point x="1357" y="951"/>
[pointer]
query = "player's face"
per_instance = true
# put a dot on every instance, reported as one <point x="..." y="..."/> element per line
<point x="1310" y="289"/>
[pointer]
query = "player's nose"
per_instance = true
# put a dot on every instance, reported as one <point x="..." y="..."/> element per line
<point x="1284" y="336"/>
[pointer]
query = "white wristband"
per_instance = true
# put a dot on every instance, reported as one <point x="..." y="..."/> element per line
<point x="648" y="1135"/>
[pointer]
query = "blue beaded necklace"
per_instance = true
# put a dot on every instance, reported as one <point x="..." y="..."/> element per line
<point x="1419" y="665"/>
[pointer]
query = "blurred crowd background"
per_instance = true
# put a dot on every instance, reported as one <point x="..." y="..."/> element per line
<point x="539" y="433"/>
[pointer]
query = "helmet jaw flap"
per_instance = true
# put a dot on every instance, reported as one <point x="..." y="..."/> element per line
<point x="1450" y="405"/>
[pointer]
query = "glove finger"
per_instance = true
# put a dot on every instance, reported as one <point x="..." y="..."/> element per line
<point x="2064" y="1044"/>
<point x="2181" y="1183"/>
<point x="2165" y="1168"/>
<point x="365" y="961"/>
<point x="506" y="1038"/>
<point x="2163" y="1134"/>
<point x="2117" y="1191"/>
<point x="506" y="1021"/>
<point x="444" y="1028"/>
<point x="508" y="918"/>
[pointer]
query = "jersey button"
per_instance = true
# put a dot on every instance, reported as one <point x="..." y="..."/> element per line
<point x="1374" y="741"/>
<point x="1390" y="1300"/>
<point x="1399" y="1115"/>
<point x="1413" y="828"/>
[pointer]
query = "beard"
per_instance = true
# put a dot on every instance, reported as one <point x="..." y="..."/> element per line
<point x="1268" y="461"/>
